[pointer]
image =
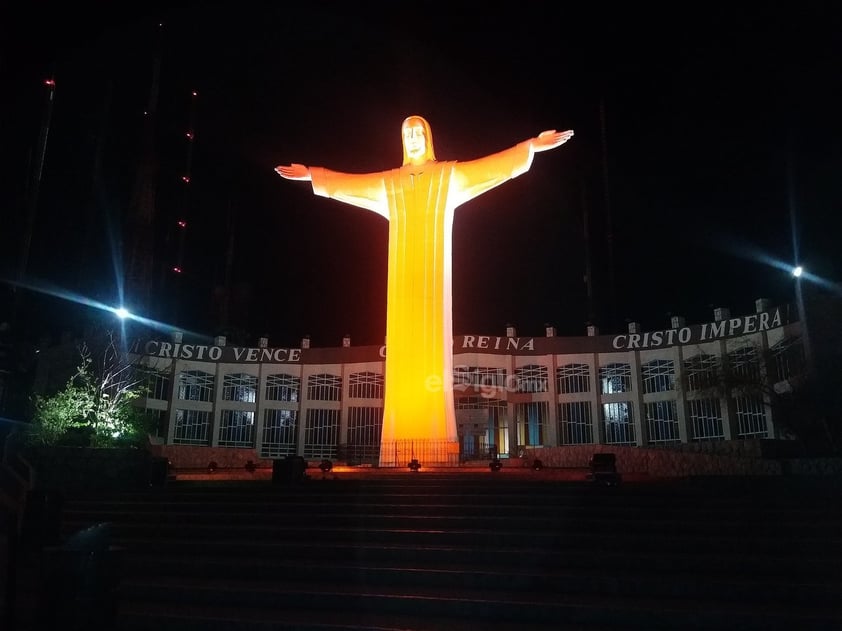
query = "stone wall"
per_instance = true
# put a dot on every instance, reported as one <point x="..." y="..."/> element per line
<point x="744" y="457"/>
<point x="814" y="466"/>
<point x="657" y="462"/>
<point x="198" y="457"/>
<point x="86" y="468"/>
<point x="726" y="458"/>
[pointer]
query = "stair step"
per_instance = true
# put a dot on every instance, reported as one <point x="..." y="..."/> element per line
<point x="676" y="582"/>
<point x="525" y="608"/>
<point x="466" y="552"/>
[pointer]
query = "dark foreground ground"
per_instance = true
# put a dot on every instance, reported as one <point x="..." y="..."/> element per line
<point x="391" y="550"/>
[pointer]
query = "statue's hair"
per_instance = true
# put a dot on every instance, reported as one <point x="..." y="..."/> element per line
<point x="430" y="153"/>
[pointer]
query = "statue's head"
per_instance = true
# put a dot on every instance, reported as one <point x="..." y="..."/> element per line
<point x="417" y="141"/>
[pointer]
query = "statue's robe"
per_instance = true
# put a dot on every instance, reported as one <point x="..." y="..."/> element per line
<point x="419" y="202"/>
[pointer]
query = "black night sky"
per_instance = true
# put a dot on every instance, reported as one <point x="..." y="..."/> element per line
<point x="702" y="131"/>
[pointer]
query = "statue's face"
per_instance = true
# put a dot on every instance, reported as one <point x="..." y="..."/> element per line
<point x="414" y="140"/>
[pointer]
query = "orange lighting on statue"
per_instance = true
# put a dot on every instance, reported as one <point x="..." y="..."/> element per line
<point x="419" y="199"/>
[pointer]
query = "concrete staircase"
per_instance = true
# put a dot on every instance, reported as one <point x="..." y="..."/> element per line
<point x="453" y="551"/>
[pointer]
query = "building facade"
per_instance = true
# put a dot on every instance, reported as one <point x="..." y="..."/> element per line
<point x="706" y="382"/>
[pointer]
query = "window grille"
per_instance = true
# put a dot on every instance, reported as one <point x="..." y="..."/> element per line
<point x="366" y="385"/>
<point x="157" y="421"/>
<point x="471" y="403"/>
<point x="321" y="430"/>
<point x="618" y="423"/>
<point x="705" y="419"/>
<point x="479" y="376"/>
<point x="530" y="423"/>
<point x="280" y="433"/>
<point x="662" y="422"/>
<point x="751" y="417"/>
<point x="745" y="363"/>
<point x="615" y="378"/>
<point x="324" y="387"/>
<point x="788" y="356"/>
<point x="658" y="376"/>
<point x="236" y="428"/>
<point x="498" y="424"/>
<point x="156" y="383"/>
<point x="239" y="387"/>
<point x="497" y="430"/>
<point x="195" y="385"/>
<point x="283" y="387"/>
<point x="191" y="427"/>
<point x="573" y="378"/>
<point x="365" y="425"/>
<point x="532" y="378"/>
<point x="574" y="420"/>
<point x="701" y="372"/>
<point x="486" y="376"/>
<point x="462" y="375"/>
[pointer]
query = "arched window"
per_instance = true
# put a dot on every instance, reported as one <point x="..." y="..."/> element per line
<point x="195" y="385"/>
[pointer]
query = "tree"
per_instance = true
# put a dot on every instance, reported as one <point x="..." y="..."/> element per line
<point x="59" y="417"/>
<point x="95" y="408"/>
<point x="799" y="393"/>
<point x="809" y="407"/>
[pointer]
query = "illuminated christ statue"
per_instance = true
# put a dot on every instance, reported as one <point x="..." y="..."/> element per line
<point x="419" y="199"/>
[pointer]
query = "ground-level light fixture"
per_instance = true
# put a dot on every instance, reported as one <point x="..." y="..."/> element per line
<point x="414" y="465"/>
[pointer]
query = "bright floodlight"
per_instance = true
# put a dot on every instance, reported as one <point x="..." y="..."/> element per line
<point x="797" y="271"/>
<point x="122" y="313"/>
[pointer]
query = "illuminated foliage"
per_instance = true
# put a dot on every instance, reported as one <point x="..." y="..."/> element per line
<point x="95" y="408"/>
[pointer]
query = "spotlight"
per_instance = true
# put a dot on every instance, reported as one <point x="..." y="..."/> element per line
<point x="250" y="466"/>
<point x="604" y="469"/>
<point x="414" y="465"/>
<point x="495" y="465"/>
<point x="537" y="465"/>
<point x="325" y="465"/>
<point x="212" y="466"/>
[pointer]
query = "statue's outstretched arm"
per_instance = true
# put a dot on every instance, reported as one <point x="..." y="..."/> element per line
<point x="550" y="139"/>
<point x="294" y="172"/>
<point x="362" y="190"/>
<point x="475" y="177"/>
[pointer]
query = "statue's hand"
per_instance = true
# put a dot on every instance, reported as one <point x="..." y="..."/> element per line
<point x="551" y="139"/>
<point x="294" y="172"/>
